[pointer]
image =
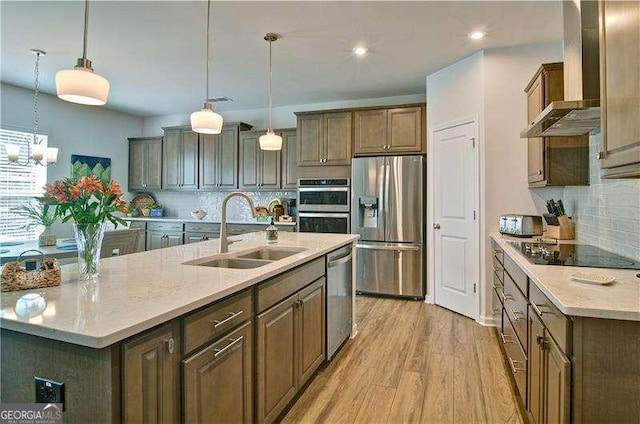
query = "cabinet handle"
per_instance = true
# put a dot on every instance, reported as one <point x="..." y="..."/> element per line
<point x="504" y="339"/>
<point x="537" y="309"/>
<point x="171" y="344"/>
<point x="232" y="315"/>
<point x="507" y="296"/>
<point x="516" y="313"/>
<point x="497" y="286"/>
<point x="539" y="172"/>
<point x="539" y="340"/>
<point x="218" y="352"/>
<point x="513" y="366"/>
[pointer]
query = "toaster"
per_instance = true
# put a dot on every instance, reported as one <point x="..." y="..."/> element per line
<point x="521" y="225"/>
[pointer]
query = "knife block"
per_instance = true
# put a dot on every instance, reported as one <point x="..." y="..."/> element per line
<point x="564" y="231"/>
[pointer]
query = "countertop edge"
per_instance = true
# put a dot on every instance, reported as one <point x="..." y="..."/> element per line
<point x="201" y="221"/>
<point x="565" y="309"/>
<point x="103" y="341"/>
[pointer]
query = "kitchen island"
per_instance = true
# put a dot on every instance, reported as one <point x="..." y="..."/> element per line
<point x="157" y="337"/>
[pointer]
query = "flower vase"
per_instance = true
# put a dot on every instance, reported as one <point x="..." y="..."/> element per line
<point x="89" y="241"/>
<point x="47" y="237"/>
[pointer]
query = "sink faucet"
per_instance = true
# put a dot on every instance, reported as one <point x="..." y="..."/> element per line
<point x="224" y="243"/>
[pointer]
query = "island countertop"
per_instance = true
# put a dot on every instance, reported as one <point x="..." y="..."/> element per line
<point x="618" y="300"/>
<point x="139" y="291"/>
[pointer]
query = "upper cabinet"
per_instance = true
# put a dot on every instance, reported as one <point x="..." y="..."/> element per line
<point x="259" y="169"/>
<point x="145" y="163"/>
<point x="553" y="161"/>
<point x="620" y="88"/>
<point x="324" y="138"/>
<point x="218" y="158"/>
<point x="382" y="131"/>
<point x="180" y="159"/>
<point x="289" y="158"/>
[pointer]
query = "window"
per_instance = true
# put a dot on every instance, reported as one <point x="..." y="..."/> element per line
<point x="18" y="184"/>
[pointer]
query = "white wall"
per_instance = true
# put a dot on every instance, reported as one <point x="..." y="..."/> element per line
<point x="74" y="129"/>
<point x="283" y="116"/>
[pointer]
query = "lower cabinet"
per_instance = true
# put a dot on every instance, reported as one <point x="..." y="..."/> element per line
<point x="290" y="347"/>
<point x="217" y="381"/>
<point x="150" y="381"/>
<point x="157" y="240"/>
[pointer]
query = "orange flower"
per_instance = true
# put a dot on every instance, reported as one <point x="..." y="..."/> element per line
<point x="114" y="188"/>
<point x="91" y="184"/>
<point x="75" y="191"/>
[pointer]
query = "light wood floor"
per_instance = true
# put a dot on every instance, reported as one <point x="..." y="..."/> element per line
<point x="411" y="362"/>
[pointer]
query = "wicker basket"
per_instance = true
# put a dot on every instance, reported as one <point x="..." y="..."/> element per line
<point x="15" y="277"/>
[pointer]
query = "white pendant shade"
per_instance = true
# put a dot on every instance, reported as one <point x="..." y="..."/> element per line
<point x="83" y="86"/>
<point x="37" y="152"/>
<point x="52" y="154"/>
<point x="13" y="152"/>
<point x="206" y="121"/>
<point x="270" y="141"/>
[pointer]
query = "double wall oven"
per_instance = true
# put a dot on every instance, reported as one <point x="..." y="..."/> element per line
<point x="324" y="205"/>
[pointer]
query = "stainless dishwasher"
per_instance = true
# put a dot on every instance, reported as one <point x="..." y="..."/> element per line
<point x="339" y="298"/>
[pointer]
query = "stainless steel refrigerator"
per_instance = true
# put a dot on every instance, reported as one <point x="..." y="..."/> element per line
<point x="387" y="211"/>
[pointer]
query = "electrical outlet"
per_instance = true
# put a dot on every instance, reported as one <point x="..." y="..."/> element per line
<point x="49" y="391"/>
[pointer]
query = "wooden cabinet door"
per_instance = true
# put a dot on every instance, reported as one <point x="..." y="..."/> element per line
<point x="270" y="169"/>
<point x="620" y="84"/>
<point x="228" y="158"/>
<point x="337" y="138"/>
<point x="405" y="130"/>
<point x="277" y="368"/>
<point x="250" y="165"/>
<point x="209" y="161"/>
<point x="535" y="105"/>
<point x="557" y="376"/>
<point x="189" y="161"/>
<point x="310" y="140"/>
<point x="155" y="240"/>
<point x="370" y="131"/>
<point x="536" y="369"/>
<point x="218" y="383"/>
<point x="312" y="329"/>
<point x="171" y="160"/>
<point x="289" y="159"/>
<point x="151" y="370"/>
<point x="153" y="164"/>
<point x="137" y="158"/>
<point x="173" y="240"/>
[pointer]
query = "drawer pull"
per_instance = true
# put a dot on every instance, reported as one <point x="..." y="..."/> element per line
<point x="507" y="296"/>
<point x="516" y="314"/>
<point x="232" y="315"/>
<point x="506" y="340"/>
<point x="218" y="352"/>
<point x="497" y="286"/>
<point x="514" y="368"/>
<point x="171" y="345"/>
<point x="537" y="309"/>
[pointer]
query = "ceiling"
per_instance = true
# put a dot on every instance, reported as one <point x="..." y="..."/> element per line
<point x="152" y="52"/>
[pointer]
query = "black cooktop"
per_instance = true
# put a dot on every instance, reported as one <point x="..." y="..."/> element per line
<point x="573" y="255"/>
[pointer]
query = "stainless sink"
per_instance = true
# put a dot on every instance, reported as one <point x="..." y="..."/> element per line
<point x="272" y="253"/>
<point x="234" y="263"/>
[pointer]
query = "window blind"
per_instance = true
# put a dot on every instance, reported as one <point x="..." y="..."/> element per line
<point x="18" y="185"/>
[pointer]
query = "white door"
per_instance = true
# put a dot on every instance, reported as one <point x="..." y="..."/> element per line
<point x="455" y="185"/>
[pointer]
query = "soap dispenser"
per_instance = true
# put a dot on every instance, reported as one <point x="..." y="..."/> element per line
<point x="272" y="233"/>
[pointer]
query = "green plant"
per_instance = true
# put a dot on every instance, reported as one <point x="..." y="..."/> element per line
<point x="38" y="213"/>
<point x="86" y="200"/>
<point x="152" y="205"/>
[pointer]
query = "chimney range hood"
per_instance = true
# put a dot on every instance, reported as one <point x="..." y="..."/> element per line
<point x="581" y="114"/>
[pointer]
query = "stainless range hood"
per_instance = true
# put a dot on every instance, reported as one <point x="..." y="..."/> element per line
<point x="581" y="113"/>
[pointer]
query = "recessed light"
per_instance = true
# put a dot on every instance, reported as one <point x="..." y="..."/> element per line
<point x="476" y="35"/>
<point x="360" y="51"/>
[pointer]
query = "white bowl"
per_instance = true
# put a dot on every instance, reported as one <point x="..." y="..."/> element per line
<point x="198" y="215"/>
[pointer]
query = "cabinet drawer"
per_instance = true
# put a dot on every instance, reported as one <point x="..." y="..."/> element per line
<point x="204" y="228"/>
<point x="498" y="255"/>
<point x="498" y="284"/>
<point x="197" y="236"/>
<point x="141" y="225"/>
<point x="558" y="325"/>
<point x="516" y="273"/>
<point x="496" y="310"/>
<point x="516" y="358"/>
<point x="273" y="291"/>
<point x="216" y="319"/>
<point x="164" y="226"/>
<point x="515" y="305"/>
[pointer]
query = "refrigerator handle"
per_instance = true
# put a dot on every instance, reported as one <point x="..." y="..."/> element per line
<point x="382" y="201"/>
<point x="386" y="197"/>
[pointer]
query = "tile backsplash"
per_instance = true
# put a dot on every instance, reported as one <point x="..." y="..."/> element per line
<point x="180" y="204"/>
<point x="607" y="212"/>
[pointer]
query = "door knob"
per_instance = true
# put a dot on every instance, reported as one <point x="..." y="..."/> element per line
<point x="436" y="226"/>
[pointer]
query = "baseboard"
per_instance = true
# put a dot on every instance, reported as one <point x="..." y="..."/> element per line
<point x="488" y="321"/>
<point x="428" y="299"/>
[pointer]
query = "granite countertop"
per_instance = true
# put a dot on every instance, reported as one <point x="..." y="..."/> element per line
<point x="203" y="221"/>
<point x="139" y="291"/>
<point x="618" y="300"/>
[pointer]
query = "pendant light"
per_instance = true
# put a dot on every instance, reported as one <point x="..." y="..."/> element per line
<point x="206" y="121"/>
<point x="36" y="152"/>
<point x="82" y="85"/>
<point x="270" y="141"/>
